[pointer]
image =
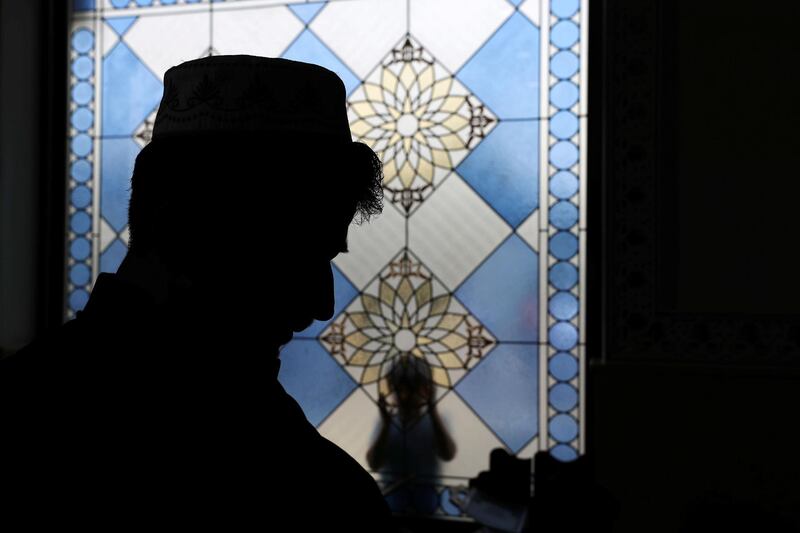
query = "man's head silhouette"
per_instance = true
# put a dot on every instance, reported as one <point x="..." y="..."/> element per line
<point x="244" y="196"/>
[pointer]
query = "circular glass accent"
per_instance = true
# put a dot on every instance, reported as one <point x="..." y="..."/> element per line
<point x="407" y="125"/>
<point x="80" y="274"/>
<point x="563" y="245"/>
<point x="564" y="64"/>
<point x="82" y="41"/>
<point x="144" y="3"/>
<point x="563" y="366"/>
<point x="82" y="119"/>
<point x="563" y="305"/>
<point x="119" y="3"/>
<point x="564" y="34"/>
<point x="563" y="428"/>
<point x="82" y="93"/>
<point x="81" y="196"/>
<point x="80" y="222"/>
<point x="564" y="94"/>
<point x="563" y="397"/>
<point x="563" y="215"/>
<point x="405" y="340"/>
<point x="564" y="184"/>
<point x="82" y="67"/>
<point x="81" y="170"/>
<point x="564" y="453"/>
<point x="563" y="336"/>
<point x="563" y="275"/>
<point x="564" y="8"/>
<point x="81" y="145"/>
<point x="167" y="2"/>
<point x="564" y="124"/>
<point x="78" y="299"/>
<point x="80" y="249"/>
<point x="448" y="506"/>
<point x="563" y="154"/>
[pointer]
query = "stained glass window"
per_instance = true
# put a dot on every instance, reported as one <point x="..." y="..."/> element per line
<point x="470" y="285"/>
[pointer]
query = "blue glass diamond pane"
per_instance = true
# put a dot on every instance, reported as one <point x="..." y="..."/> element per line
<point x="119" y="156"/>
<point x="111" y="258"/>
<point x="511" y="55"/>
<point x="121" y="24"/>
<point x="313" y="378"/>
<point x="130" y="91"/>
<point x="503" y="292"/>
<point x="311" y="50"/>
<point x="504" y="169"/>
<point x="503" y="390"/>
<point x="306" y="12"/>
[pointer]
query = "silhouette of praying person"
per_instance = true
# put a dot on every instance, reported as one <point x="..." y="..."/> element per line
<point x="159" y="403"/>
<point x="411" y="394"/>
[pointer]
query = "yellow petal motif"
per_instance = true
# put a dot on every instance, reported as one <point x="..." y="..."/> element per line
<point x="450" y="360"/>
<point x="361" y="358"/>
<point x="386" y="293"/>
<point x="370" y="374"/>
<point x="356" y="339"/>
<point x="440" y="304"/>
<point x="405" y="290"/>
<point x="371" y="304"/>
<point x="440" y="376"/>
<point x="423" y="293"/>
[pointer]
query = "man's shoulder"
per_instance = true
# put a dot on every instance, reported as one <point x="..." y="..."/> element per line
<point x="48" y="351"/>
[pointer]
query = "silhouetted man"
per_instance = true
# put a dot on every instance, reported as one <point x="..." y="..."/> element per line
<point x="159" y="404"/>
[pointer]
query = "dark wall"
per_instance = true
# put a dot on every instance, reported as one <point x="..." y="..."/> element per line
<point x="694" y="303"/>
<point x="32" y="152"/>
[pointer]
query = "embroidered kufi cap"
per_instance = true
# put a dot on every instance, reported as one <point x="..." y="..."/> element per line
<point x="238" y="94"/>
